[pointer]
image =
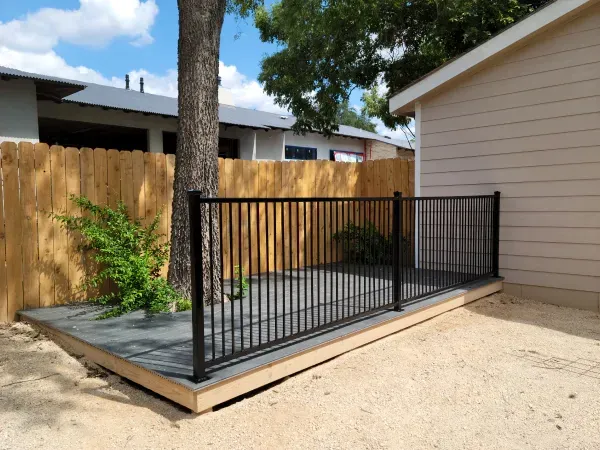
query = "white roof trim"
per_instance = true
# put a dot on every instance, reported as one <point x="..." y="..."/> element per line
<point x="404" y="102"/>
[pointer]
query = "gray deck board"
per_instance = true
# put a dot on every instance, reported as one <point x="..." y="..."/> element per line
<point x="163" y="342"/>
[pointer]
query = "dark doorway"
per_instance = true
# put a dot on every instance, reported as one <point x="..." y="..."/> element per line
<point x="70" y="133"/>
<point x="228" y="148"/>
<point x="169" y="142"/>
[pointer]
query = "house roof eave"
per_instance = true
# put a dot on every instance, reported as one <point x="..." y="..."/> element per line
<point x="556" y="12"/>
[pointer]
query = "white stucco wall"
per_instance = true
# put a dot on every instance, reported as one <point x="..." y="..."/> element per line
<point x="269" y="145"/>
<point x="245" y="136"/>
<point x="155" y="140"/>
<point x="18" y="111"/>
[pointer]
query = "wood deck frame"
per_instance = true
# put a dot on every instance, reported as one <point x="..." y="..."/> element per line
<point x="204" y="399"/>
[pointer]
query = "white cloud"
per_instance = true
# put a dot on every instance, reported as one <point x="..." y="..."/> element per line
<point x="48" y="63"/>
<point x="29" y="43"/>
<point x="246" y="92"/>
<point x="95" y="23"/>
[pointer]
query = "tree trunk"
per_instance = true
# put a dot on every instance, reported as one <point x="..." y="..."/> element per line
<point x="197" y="166"/>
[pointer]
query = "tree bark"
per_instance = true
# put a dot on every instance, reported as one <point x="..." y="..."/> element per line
<point x="197" y="166"/>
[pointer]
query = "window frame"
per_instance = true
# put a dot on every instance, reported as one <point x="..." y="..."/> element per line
<point x="312" y="150"/>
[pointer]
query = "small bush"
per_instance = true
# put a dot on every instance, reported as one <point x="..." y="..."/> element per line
<point x="240" y="283"/>
<point x="366" y="244"/>
<point x="127" y="253"/>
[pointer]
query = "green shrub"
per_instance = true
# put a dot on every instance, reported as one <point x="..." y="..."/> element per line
<point x="127" y="253"/>
<point x="366" y="244"/>
<point x="240" y="283"/>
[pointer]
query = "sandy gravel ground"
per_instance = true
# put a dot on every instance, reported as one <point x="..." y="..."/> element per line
<point x="500" y="373"/>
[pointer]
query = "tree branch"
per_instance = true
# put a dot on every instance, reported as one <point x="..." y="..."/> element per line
<point x="407" y="138"/>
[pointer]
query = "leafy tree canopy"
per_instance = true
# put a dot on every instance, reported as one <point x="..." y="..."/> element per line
<point x="349" y="116"/>
<point x="328" y="48"/>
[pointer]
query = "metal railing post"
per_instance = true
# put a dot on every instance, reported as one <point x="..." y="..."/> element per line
<point x="396" y="250"/>
<point x="496" y="237"/>
<point x="195" y="213"/>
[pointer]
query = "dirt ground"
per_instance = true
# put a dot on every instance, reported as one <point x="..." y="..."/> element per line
<point x="501" y="373"/>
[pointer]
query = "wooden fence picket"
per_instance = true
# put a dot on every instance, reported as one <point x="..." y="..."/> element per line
<point x="113" y="178"/>
<point x="31" y="277"/>
<point x="12" y="230"/>
<point x="139" y="196"/>
<point x="126" y="171"/>
<point x="59" y="206"/>
<point x="45" y="264"/>
<point x="170" y="178"/>
<point x="3" y="281"/>
<point x="76" y="258"/>
<point x="149" y="187"/>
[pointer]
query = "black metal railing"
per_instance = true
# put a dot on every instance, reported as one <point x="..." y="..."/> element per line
<point x="277" y="269"/>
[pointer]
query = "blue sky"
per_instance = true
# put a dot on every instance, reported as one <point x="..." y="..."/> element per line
<point x="119" y="57"/>
<point x="102" y="40"/>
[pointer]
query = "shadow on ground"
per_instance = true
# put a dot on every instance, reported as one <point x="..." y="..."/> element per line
<point x="41" y="385"/>
<point x="572" y="321"/>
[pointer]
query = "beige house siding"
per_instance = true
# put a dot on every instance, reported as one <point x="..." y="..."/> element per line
<point x="529" y="126"/>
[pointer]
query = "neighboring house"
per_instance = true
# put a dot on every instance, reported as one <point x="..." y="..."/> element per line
<point x="40" y="108"/>
<point x="521" y="114"/>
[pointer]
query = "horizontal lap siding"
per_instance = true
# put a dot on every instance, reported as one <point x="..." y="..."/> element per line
<point x="539" y="158"/>
<point x="529" y="126"/>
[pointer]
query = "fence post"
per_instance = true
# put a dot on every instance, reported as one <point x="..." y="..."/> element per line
<point x="397" y="250"/>
<point x="496" y="237"/>
<point x="194" y="202"/>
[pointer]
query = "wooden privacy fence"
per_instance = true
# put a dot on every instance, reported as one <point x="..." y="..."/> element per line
<point x="274" y="179"/>
<point x="41" y="264"/>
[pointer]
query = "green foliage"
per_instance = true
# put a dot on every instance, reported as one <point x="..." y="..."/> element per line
<point x="242" y="8"/>
<point x="366" y="244"/>
<point x="240" y="283"/>
<point x="375" y="104"/>
<point x="127" y="253"/>
<point x="327" y="49"/>
<point x="348" y="116"/>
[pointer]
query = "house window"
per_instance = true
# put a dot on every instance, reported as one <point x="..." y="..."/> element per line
<point x="344" y="156"/>
<point x="300" y="153"/>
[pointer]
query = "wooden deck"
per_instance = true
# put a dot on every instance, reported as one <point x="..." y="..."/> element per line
<point x="156" y="352"/>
